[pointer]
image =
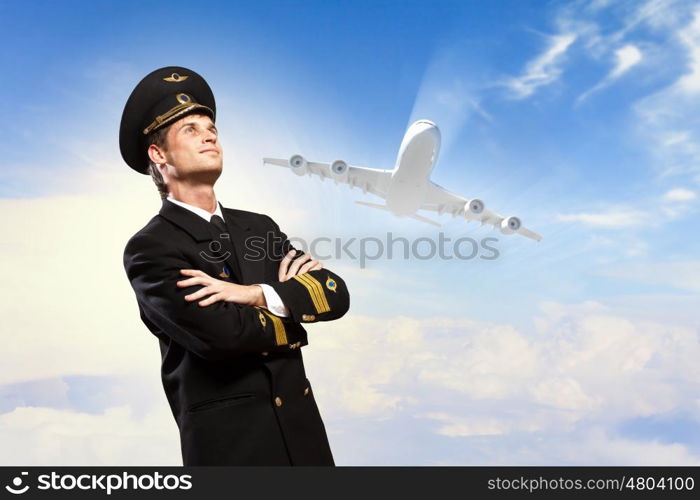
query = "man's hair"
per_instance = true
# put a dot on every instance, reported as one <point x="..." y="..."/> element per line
<point x="160" y="139"/>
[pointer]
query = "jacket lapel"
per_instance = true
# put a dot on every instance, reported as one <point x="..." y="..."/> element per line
<point x="252" y="270"/>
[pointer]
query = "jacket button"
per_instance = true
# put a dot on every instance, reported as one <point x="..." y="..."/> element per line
<point x="308" y="317"/>
<point x="264" y="353"/>
<point x="306" y="391"/>
<point x="278" y="401"/>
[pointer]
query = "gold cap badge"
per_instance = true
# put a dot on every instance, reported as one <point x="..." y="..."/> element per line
<point x="175" y="78"/>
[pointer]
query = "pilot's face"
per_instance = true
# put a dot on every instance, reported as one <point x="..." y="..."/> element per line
<point x="194" y="148"/>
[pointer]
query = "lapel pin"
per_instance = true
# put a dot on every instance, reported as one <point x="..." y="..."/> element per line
<point x="224" y="273"/>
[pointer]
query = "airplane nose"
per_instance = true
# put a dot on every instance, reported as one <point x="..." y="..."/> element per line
<point x="424" y="133"/>
<point x="426" y="127"/>
<point x="427" y="122"/>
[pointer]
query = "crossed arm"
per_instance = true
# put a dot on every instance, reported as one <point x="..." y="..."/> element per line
<point x="251" y="295"/>
<point x="232" y="320"/>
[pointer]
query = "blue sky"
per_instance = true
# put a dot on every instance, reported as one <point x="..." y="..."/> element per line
<point x="579" y="117"/>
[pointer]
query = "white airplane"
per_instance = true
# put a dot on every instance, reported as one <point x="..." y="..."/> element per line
<point x="408" y="188"/>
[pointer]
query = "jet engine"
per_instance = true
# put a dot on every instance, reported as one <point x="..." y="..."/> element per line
<point x="473" y="208"/>
<point x="510" y="225"/>
<point x="298" y="164"/>
<point x="339" y="169"/>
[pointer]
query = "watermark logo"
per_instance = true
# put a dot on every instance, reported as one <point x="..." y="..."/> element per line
<point x="17" y="488"/>
<point x="217" y="251"/>
<point x="107" y="483"/>
<point x="362" y="249"/>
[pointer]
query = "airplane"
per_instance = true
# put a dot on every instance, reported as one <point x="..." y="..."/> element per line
<point x="407" y="187"/>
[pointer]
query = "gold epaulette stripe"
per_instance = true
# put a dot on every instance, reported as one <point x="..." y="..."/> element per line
<point x="315" y="291"/>
<point x="280" y="332"/>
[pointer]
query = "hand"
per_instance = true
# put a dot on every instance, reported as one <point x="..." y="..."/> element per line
<point x="219" y="290"/>
<point x="287" y="272"/>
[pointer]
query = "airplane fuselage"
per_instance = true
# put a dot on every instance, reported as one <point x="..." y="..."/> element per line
<point x="411" y="175"/>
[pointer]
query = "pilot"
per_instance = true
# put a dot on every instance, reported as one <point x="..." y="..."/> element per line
<point x="223" y="291"/>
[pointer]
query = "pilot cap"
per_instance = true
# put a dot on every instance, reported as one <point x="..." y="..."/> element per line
<point x="162" y="97"/>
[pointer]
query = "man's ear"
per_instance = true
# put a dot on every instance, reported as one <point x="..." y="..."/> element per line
<point x="156" y="154"/>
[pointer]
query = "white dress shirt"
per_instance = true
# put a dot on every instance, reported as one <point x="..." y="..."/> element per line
<point x="274" y="302"/>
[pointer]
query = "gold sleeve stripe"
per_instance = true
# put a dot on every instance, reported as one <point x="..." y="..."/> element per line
<point x="316" y="291"/>
<point x="280" y="332"/>
<point x="312" y="292"/>
<point x="321" y="293"/>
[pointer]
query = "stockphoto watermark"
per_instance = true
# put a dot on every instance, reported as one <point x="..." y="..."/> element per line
<point x="103" y="483"/>
<point x="360" y="249"/>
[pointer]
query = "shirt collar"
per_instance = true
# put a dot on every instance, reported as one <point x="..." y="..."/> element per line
<point x="199" y="211"/>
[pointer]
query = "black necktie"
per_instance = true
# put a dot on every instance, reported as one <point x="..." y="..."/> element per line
<point x="224" y="238"/>
<point x="219" y="224"/>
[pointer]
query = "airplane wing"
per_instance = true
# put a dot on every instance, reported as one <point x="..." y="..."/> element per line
<point x="368" y="179"/>
<point x="441" y="200"/>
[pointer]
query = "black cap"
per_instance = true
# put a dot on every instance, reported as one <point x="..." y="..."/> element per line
<point x="162" y="97"/>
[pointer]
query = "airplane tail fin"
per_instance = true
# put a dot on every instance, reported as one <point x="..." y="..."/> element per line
<point x="413" y="216"/>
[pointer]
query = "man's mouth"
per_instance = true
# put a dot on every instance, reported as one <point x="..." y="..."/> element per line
<point x="209" y="151"/>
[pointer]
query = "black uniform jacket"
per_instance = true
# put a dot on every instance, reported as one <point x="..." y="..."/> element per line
<point x="233" y="374"/>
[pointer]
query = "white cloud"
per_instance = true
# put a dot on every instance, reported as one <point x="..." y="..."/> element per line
<point x="461" y="426"/>
<point x="563" y="392"/>
<point x="66" y="299"/>
<point x="679" y="195"/>
<point x="609" y="219"/>
<point x="690" y="37"/>
<point x="658" y="15"/>
<point x="673" y="204"/>
<point x="544" y="69"/>
<point x="669" y="117"/>
<point x="47" y="436"/>
<point x="519" y="389"/>
<point x="676" y="137"/>
<point x="625" y="58"/>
